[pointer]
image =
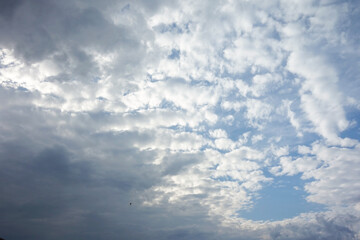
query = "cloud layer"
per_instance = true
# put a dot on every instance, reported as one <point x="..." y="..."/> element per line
<point x="187" y="110"/>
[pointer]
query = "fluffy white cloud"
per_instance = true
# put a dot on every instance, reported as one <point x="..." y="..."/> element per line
<point x="339" y="174"/>
<point x="320" y="99"/>
<point x="218" y="133"/>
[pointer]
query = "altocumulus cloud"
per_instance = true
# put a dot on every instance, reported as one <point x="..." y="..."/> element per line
<point x="191" y="111"/>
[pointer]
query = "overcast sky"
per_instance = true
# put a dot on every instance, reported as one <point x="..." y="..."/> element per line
<point x="216" y="120"/>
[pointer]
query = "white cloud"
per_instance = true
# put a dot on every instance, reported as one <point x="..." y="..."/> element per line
<point x="257" y="111"/>
<point x="292" y="117"/>
<point x="339" y="174"/>
<point x="223" y="189"/>
<point x="218" y="133"/>
<point x="256" y="138"/>
<point x="264" y="83"/>
<point x="280" y="151"/>
<point x="288" y="166"/>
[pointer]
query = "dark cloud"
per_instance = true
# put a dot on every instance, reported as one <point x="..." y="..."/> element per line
<point x="52" y="194"/>
<point x="69" y="35"/>
<point x="7" y="8"/>
<point x="49" y="194"/>
<point x="321" y="229"/>
<point x="174" y="163"/>
<point x="51" y="189"/>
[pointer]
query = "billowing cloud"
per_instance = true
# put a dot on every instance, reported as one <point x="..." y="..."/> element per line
<point x="191" y="112"/>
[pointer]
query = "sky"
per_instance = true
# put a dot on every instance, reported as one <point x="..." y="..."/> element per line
<point x="226" y="120"/>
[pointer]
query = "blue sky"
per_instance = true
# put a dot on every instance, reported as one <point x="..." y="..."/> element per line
<point x="284" y="198"/>
<point x="215" y="119"/>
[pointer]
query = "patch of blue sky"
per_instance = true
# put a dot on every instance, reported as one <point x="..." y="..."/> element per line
<point x="168" y="105"/>
<point x="173" y="28"/>
<point x="200" y="82"/>
<point x="214" y="167"/>
<point x="96" y="79"/>
<point x="101" y="98"/>
<point x="284" y="198"/>
<point x="22" y="89"/>
<point x="287" y="134"/>
<point x="353" y="115"/>
<point x="175" y="54"/>
<point x="237" y="130"/>
<point x="151" y="78"/>
<point x="238" y="127"/>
